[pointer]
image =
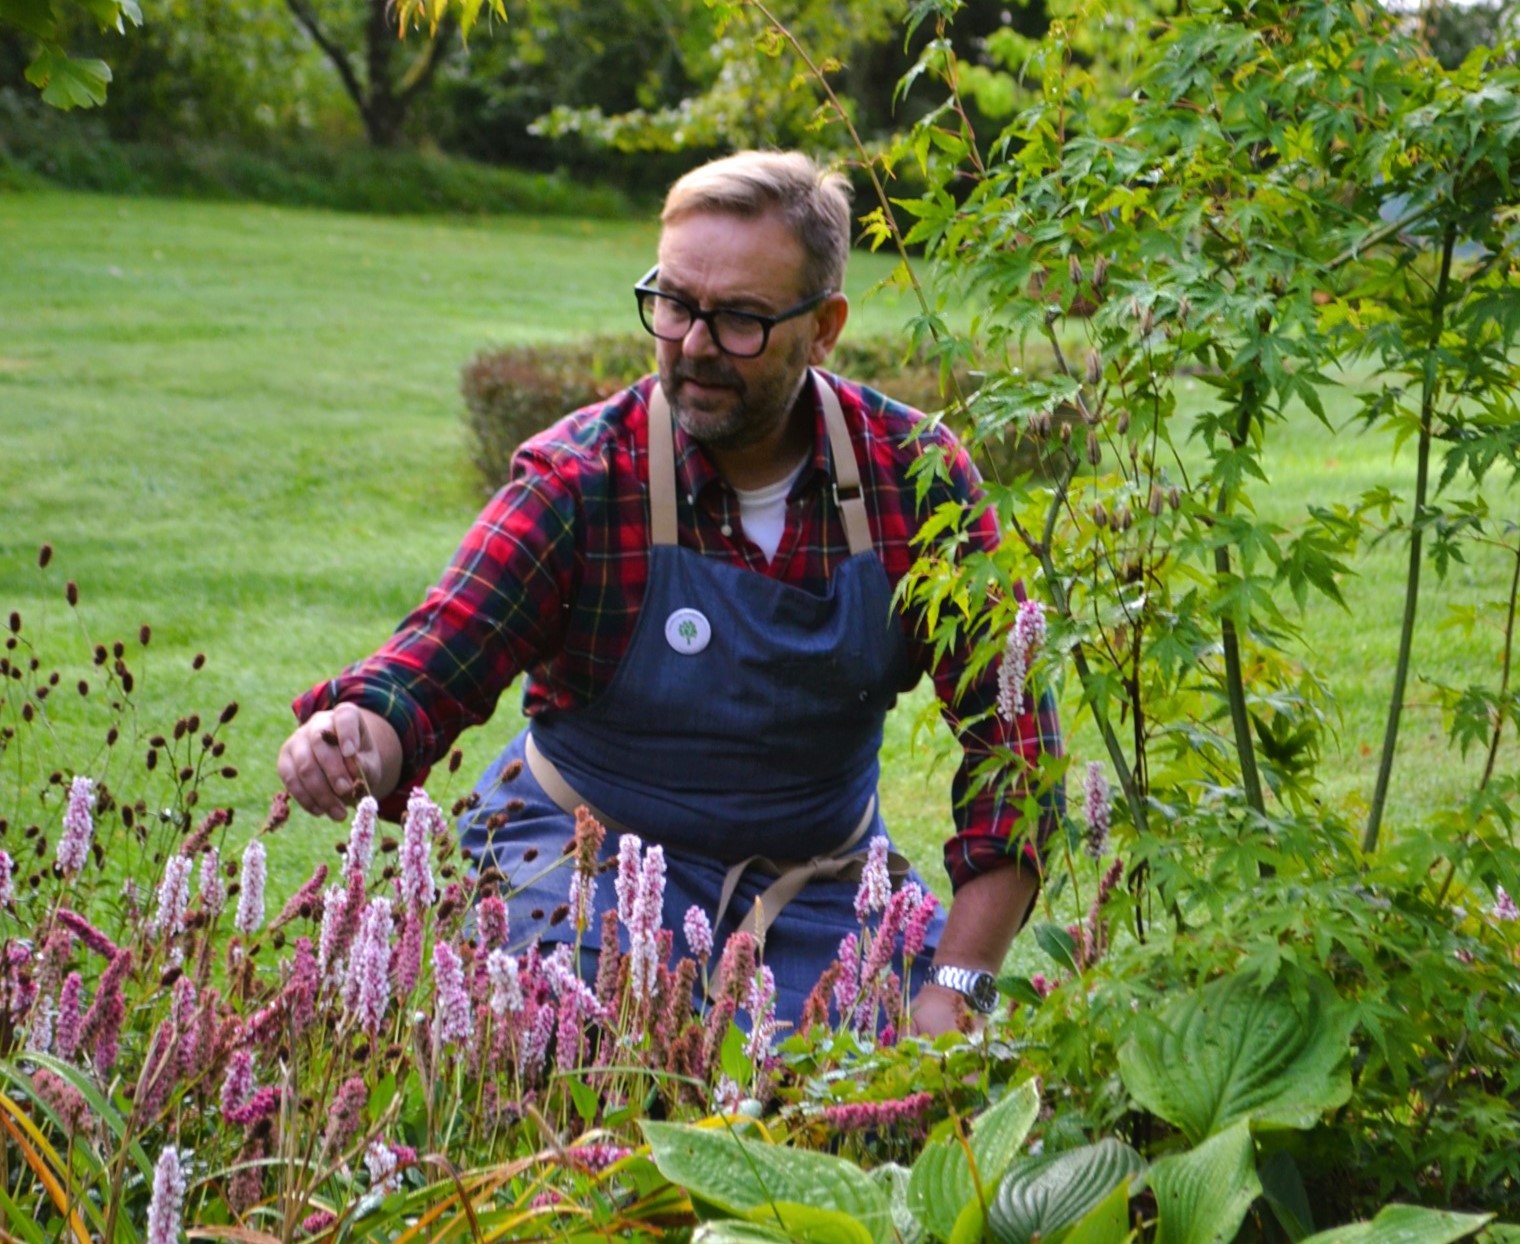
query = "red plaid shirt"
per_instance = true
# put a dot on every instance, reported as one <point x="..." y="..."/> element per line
<point x="549" y="579"/>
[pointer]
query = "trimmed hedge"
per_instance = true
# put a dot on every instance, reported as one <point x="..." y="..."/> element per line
<point x="512" y="393"/>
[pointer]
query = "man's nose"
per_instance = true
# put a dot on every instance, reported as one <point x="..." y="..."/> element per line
<point x="699" y="340"/>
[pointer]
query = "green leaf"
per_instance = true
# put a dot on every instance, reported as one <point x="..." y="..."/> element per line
<point x="894" y="1180"/>
<point x="1283" y="1188"/>
<point x="1202" y="1196"/>
<point x="738" y="1177"/>
<point x="940" y="1186"/>
<point x="1106" y="1223"/>
<point x="1041" y="1198"/>
<point x="583" y="1096"/>
<point x="734" y="1231"/>
<point x="31" y="17"/>
<point x="67" y="83"/>
<point x="1405" y="1224"/>
<point x="1058" y="944"/>
<point x="732" y="1058"/>
<point x="810" y="1223"/>
<point x="1234" y="1050"/>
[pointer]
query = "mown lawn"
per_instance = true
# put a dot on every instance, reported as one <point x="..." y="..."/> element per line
<point x="241" y="424"/>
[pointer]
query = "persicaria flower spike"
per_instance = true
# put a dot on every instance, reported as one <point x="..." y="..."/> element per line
<point x="1024" y="640"/>
<point x="367" y="988"/>
<point x="455" y="1018"/>
<point x="491" y="922"/>
<point x="418" y="889"/>
<point x="173" y="896"/>
<point x="1504" y="906"/>
<point x="78" y="826"/>
<point x="506" y="987"/>
<point x="699" y="934"/>
<point x="361" y="837"/>
<point x="7" y="882"/>
<point x="168" y="1201"/>
<point x="250" y="908"/>
<point x="213" y="893"/>
<point x="630" y="847"/>
<point x="875" y="881"/>
<point x="1096" y="794"/>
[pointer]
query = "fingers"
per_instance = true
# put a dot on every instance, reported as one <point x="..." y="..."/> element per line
<point x="313" y="764"/>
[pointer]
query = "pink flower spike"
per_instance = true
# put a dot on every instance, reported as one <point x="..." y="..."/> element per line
<point x="237" y="1084"/>
<point x="506" y="987"/>
<point x="173" y="896"/>
<point x="1096" y="794"/>
<point x="875" y="881"/>
<point x="361" y="837"/>
<point x="250" y="908"/>
<point x="699" y="934"/>
<point x="418" y="889"/>
<point x="367" y="987"/>
<point x="67" y="1025"/>
<point x="88" y="933"/>
<point x="167" y="1205"/>
<point x="455" y="1017"/>
<point x="213" y="893"/>
<point x="630" y="847"/>
<point x="491" y="922"/>
<point x="917" y="928"/>
<point x="7" y="884"/>
<point x="1504" y="906"/>
<point x="78" y="826"/>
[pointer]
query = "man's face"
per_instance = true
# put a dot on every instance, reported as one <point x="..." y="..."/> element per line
<point x="714" y="260"/>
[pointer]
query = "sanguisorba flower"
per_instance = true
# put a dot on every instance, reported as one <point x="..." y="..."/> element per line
<point x="1096" y="794"/>
<point x="78" y="826"/>
<point x="167" y="1205"/>
<point x="250" y="908"/>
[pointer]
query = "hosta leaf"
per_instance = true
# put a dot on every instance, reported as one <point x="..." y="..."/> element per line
<point x="1045" y="1196"/>
<point x="941" y="1185"/>
<point x="1105" y="1223"/>
<point x="894" y="1182"/>
<point x="1233" y="1050"/>
<point x="1202" y="1195"/>
<point x="738" y="1177"/>
<point x="810" y="1224"/>
<point x="733" y="1231"/>
<point x="1405" y="1224"/>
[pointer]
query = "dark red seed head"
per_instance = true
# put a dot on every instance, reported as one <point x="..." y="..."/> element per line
<point x="44" y="555"/>
<point x="71" y="592"/>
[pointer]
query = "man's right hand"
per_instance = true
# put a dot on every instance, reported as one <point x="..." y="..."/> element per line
<point x="337" y="756"/>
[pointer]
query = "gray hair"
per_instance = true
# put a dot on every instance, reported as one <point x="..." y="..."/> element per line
<point x="813" y="201"/>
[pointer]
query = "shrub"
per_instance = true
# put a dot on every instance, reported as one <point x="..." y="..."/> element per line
<point x="514" y="392"/>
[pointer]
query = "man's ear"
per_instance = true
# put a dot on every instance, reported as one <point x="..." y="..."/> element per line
<point x="831" y="316"/>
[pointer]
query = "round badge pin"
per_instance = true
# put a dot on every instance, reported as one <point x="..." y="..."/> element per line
<point x="688" y="631"/>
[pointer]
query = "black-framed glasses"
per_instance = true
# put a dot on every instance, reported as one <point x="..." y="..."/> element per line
<point x="743" y="334"/>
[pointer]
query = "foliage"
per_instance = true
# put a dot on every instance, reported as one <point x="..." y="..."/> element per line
<point x="66" y="82"/>
<point x="1288" y="194"/>
<point x="38" y="146"/>
<point x="516" y="391"/>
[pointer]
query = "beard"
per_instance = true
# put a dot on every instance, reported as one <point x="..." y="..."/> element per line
<point x="744" y="410"/>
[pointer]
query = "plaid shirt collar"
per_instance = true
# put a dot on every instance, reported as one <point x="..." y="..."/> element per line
<point x="695" y="472"/>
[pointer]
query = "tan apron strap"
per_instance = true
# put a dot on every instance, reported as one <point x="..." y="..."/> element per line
<point x="844" y="864"/>
<point x="662" y="470"/>
<point x="546" y="773"/>
<point x="848" y="498"/>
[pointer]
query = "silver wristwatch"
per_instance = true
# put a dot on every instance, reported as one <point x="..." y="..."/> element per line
<point x="978" y="988"/>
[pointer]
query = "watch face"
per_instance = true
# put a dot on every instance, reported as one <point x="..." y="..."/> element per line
<point x="984" y="994"/>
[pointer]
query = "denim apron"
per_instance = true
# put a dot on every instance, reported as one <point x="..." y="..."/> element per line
<point x="741" y="732"/>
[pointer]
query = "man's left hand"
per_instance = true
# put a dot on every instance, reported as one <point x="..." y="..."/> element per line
<point x="937" y="1009"/>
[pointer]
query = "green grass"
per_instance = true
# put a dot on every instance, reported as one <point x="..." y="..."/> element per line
<point x="241" y="424"/>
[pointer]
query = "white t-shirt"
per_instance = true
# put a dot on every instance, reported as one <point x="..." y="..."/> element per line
<point x="763" y="511"/>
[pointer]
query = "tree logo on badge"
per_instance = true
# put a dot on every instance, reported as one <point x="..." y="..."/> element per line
<point x="688" y="631"/>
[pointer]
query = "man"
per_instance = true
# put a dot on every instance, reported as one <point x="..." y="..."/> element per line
<point x="701" y="596"/>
